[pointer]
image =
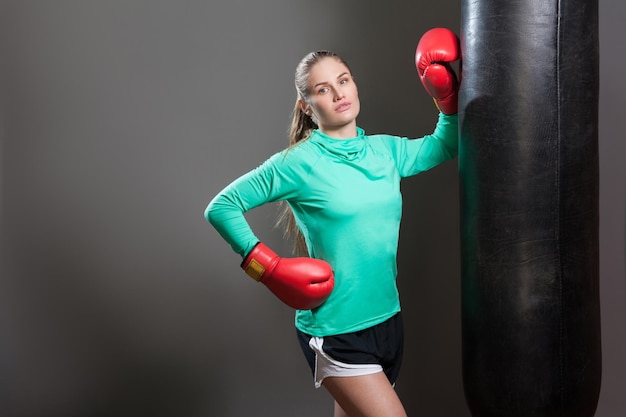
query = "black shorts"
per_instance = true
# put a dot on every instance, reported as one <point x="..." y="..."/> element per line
<point x="375" y="349"/>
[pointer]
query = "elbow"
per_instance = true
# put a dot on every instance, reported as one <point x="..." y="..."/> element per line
<point x="218" y="210"/>
<point x="209" y="212"/>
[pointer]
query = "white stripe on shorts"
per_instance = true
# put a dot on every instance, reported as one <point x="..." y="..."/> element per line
<point x="326" y="366"/>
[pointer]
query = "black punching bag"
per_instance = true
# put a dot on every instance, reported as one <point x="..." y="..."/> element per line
<point x="528" y="160"/>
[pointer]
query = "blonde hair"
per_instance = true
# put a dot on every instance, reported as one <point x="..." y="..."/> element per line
<point x="302" y="125"/>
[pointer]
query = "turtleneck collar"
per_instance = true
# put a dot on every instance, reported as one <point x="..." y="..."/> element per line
<point x="348" y="149"/>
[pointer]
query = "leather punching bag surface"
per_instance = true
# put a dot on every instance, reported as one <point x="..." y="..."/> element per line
<point x="528" y="160"/>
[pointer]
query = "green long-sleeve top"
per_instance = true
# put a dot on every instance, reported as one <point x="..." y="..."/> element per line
<point x="345" y="196"/>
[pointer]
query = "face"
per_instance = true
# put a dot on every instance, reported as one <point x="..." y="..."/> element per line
<point x="333" y="99"/>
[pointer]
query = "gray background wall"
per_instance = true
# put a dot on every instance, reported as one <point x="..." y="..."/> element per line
<point x="121" y="119"/>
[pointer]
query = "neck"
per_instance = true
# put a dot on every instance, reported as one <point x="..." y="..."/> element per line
<point x="346" y="131"/>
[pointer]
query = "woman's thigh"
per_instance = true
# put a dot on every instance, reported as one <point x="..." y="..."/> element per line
<point x="365" y="396"/>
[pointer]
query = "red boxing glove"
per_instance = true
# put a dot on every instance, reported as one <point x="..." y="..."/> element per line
<point x="435" y="50"/>
<point x="301" y="283"/>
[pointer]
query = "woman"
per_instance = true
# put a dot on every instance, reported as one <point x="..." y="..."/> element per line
<point x="341" y="190"/>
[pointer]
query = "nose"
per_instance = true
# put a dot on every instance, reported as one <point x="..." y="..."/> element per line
<point x="338" y="94"/>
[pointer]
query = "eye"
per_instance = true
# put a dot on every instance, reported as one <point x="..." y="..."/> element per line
<point x="344" y="81"/>
<point x="322" y="90"/>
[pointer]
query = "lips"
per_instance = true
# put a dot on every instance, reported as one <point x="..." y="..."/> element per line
<point x="343" y="107"/>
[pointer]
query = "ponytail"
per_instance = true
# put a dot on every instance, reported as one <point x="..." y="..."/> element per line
<point x="301" y="127"/>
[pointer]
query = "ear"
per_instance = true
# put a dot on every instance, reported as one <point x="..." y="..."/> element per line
<point x="304" y="107"/>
